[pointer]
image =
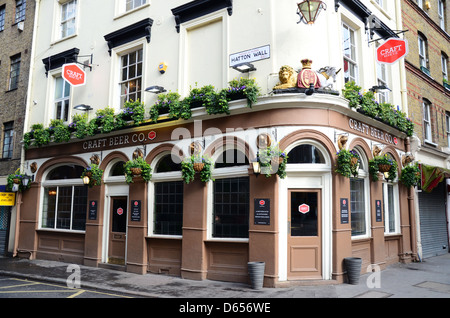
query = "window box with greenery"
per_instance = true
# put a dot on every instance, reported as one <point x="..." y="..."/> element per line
<point x="196" y="164"/>
<point x="410" y="175"/>
<point x="94" y="173"/>
<point x="347" y="163"/>
<point x="133" y="111"/>
<point x="105" y="119"/>
<point x="272" y="160"/>
<point x="16" y="179"/>
<point x="59" y="130"/>
<point x="244" y="88"/>
<point x="38" y="136"/>
<point x="137" y="167"/>
<point x="170" y="103"/>
<point x="384" y="164"/>
<point x="446" y="84"/>
<point x="365" y="103"/>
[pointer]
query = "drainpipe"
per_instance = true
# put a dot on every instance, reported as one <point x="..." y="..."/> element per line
<point x="411" y="212"/>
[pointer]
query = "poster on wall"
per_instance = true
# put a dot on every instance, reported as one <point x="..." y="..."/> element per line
<point x="262" y="211"/>
<point x="136" y="210"/>
<point x="92" y="210"/>
<point x="344" y="211"/>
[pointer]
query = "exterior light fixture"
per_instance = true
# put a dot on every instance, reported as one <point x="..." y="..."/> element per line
<point x="15" y="187"/>
<point x="83" y="107"/>
<point x="256" y="168"/>
<point x="308" y="10"/>
<point x="25" y="180"/>
<point x="244" y="67"/>
<point x="377" y="88"/>
<point x="86" y="180"/>
<point x="155" y="89"/>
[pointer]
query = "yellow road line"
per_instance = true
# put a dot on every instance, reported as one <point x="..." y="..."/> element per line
<point x="13" y="286"/>
<point x="76" y="294"/>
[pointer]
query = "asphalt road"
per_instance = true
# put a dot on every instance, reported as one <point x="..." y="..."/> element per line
<point x="23" y="288"/>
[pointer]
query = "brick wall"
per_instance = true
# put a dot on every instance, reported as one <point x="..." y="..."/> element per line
<point x="420" y="85"/>
<point x="13" y="102"/>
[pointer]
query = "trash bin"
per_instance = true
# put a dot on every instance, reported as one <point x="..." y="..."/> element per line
<point x="353" y="267"/>
<point x="256" y="273"/>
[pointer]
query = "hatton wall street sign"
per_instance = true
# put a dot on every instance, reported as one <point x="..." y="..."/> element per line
<point x="392" y="50"/>
<point x="73" y="74"/>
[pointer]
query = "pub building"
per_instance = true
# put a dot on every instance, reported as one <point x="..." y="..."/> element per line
<point x="301" y="222"/>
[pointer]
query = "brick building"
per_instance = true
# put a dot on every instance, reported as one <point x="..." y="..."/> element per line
<point x="428" y="94"/>
<point x="16" y="33"/>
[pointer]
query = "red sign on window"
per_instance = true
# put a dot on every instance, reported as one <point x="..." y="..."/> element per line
<point x="73" y="74"/>
<point x="303" y="208"/>
<point x="392" y="50"/>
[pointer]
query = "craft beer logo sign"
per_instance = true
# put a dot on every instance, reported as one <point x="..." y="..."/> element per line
<point x="392" y="50"/>
<point x="73" y="74"/>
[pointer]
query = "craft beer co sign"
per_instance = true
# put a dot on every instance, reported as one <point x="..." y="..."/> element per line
<point x="392" y="50"/>
<point x="73" y="74"/>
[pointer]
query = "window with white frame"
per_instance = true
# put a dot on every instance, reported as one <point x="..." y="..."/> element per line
<point x="231" y="195"/>
<point x="423" y="53"/>
<point x="390" y="208"/>
<point x="64" y="199"/>
<point x="131" y="76"/>
<point x="427" y="120"/>
<point x="441" y="14"/>
<point x="2" y="17"/>
<point x="62" y="99"/>
<point x="167" y="204"/>
<point x="444" y="63"/>
<point x="350" y="54"/>
<point x="20" y="10"/>
<point x="133" y="4"/>
<point x="68" y="18"/>
<point x="382" y="80"/>
<point x="359" y="202"/>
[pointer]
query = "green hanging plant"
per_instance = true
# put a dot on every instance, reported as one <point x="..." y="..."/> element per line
<point x="270" y="158"/>
<point x="383" y="164"/>
<point x="196" y="164"/>
<point x="105" y="119"/>
<point x="16" y="178"/>
<point x="347" y="163"/>
<point x="41" y="135"/>
<point x="137" y="167"/>
<point x="94" y="173"/>
<point x="410" y="175"/>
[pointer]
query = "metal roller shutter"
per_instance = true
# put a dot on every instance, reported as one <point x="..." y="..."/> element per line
<point x="4" y="220"/>
<point x="433" y="222"/>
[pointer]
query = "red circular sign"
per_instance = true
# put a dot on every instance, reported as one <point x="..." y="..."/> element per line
<point x="262" y="202"/>
<point x="303" y="208"/>
<point x="119" y="211"/>
<point x="73" y="74"/>
<point x="392" y="50"/>
<point x="152" y="135"/>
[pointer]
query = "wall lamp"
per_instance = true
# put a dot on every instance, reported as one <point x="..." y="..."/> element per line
<point x="83" y="107"/>
<point x="25" y="180"/>
<point x="308" y="10"/>
<point x="377" y="88"/>
<point x="86" y="180"/>
<point x="244" y="67"/>
<point x="256" y="168"/>
<point x="155" y="89"/>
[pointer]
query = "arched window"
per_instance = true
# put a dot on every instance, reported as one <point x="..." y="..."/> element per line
<point x="231" y="158"/>
<point x="65" y="199"/>
<point x="168" y="190"/>
<point x="306" y="153"/>
<point x="117" y="169"/>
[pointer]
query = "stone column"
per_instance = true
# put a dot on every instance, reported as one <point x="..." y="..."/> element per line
<point x="94" y="226"/>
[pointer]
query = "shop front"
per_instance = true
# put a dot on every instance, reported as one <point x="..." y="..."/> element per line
<point x="302" y="221"/>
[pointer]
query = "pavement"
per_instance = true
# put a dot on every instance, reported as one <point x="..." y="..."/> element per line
<point x="427" y="279"/>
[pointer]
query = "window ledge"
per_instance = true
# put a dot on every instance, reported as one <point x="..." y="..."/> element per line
<point x="429" y="143"/>
<point x="64" y="39"/>
<point x="123" y="14"/>
<point x="226" y="240"/>
<point x="61" y="231"/>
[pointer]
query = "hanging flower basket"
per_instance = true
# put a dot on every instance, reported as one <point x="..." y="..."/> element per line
<point x="354" y="161"/>
<point x="198" y="166"/>
<point x="384" y="167"/>
<point x="16" y="180"/>
<point x="136" y="171"/>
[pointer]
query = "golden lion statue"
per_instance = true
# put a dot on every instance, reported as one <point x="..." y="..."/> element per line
<point x="288" y="78"/>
